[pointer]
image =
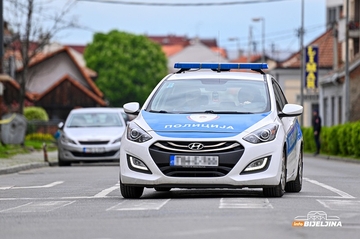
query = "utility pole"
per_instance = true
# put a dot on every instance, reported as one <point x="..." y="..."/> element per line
<point x="250" y="44"/>
<point x="302" y="71"/>
<point x="347" y="79"/>
<point x="262" y="36"/>
<point x="1" y="36"/>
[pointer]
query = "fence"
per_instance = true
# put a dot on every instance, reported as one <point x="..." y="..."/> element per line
<point x="45" y="127"/>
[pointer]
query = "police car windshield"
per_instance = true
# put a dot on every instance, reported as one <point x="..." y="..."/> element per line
<point x="210" y="96"/>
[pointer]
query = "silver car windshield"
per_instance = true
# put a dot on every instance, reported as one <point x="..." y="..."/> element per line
<point x="102" y="119"/>
<point x="211" y="96"/>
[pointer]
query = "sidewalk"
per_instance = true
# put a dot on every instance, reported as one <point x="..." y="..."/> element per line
<point x="21" y="162"/>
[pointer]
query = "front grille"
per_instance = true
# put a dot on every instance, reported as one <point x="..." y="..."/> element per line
<point x="93" y="142"/>
<point x="94" y="155"/>
<point x="171" y="146"/>
<point x="229" y="153"/>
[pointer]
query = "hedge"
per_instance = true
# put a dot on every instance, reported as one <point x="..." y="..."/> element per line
<point x="339" y="140"/>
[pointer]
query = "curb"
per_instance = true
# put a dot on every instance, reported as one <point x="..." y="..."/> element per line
<point x="334" y="158"/>
<point x="22" y="167"/>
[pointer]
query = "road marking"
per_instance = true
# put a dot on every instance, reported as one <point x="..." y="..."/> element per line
<point x="44" y="206"/>
<point x="341" y="204"/>
<point x="133" y="205"/>
<point x="335" y="190"/>
<point x="105" y="192"/>
<point x="5" y="188"/>
<point x="210" y="232"/>
<point x="32" y="187"/>
<point x="245" y="203"/>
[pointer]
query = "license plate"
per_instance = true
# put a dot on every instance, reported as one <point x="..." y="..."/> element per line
<point x="94" y="150"/>
<point x="193" y="161"/>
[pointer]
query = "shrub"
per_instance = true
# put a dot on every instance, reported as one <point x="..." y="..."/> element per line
<point x="332" y="140"/>
<point x="35" y="113"/>
<point x="355" y="139"/>
<point x="309" y="142"/>
<point x="40" y="137"/>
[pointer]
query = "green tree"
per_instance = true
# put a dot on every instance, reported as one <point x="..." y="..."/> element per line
<point x="129" y="66"/>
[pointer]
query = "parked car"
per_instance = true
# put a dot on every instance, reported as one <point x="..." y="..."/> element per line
<point x="90" y="135"/>
<point x="208" y="127"/>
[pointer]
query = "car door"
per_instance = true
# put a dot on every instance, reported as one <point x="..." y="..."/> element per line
<point x="290" y="128"/>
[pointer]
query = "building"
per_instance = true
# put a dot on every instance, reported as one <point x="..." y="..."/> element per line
<point x="337" y="104"/>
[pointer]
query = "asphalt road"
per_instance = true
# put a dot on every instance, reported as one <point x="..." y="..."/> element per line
<point x="83" y="201"/>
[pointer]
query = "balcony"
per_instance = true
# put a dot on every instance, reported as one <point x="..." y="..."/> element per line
<point x="354" y="29"/>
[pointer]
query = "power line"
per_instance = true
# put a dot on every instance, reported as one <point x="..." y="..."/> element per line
<point x="183" y="4"/>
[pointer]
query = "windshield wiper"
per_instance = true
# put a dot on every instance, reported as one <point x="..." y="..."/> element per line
<point x="158" y="111"/>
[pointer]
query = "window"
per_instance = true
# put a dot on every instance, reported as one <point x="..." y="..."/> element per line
<point x="279" y="96"/>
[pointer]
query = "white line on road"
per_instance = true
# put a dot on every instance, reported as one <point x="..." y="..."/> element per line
<point x="145" y="204"/>
<point x="341" y="205"/>
<point x="32" y="187"/>
<point x="335" y="190"/>
<point x="105" y="192"/>
<point x="44" y="206"/>
<point x="244" y="203"/>
<point x="5" y="188"/>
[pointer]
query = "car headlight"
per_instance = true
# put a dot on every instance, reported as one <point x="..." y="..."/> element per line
<point x="262" y="135"/>
<point x="66" y="140"/>
<point x="117" y="140"/>
<point x="136" y="134"/>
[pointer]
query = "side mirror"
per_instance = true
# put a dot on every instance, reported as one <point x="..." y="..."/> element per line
<point x="291" y="110"/>
<point x="61" y="125"/>
<point x="132" y="108"/>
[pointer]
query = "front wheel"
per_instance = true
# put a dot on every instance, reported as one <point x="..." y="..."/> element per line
<point x="131" y="191"/>
<point x="296" y="185"/>
<point x="63" y="163"/>
<point x="279" y="190"/>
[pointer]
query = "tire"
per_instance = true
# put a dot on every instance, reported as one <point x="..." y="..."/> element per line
<point x="131" y="191"/>
<point x="279" y="190"/>
<point x="62" y="163"/>
<point x="162" y="189"/>
<point x="296" y="185"/>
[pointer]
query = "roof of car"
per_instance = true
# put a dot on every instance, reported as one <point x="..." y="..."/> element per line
<point x="209" y="74"/>
<point x="95" y="109"/>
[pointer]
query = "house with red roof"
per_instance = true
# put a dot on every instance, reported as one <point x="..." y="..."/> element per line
<point x="58" y="82"/>
<point x="288" y="73"/>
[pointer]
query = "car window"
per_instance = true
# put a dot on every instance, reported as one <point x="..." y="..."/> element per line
<point x="209" y="95"/>
<point x="92" y="119"/>
<point x="279" y="95"/>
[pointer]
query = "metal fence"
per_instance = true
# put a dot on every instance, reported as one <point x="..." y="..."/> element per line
<point x="44" y="127"/>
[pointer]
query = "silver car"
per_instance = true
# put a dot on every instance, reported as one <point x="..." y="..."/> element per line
<point x="90" y="135"/>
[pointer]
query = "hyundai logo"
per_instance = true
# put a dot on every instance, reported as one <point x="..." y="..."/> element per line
<point x="196" y="146"/>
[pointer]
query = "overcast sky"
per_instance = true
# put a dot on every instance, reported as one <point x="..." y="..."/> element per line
<point x="282" y="20"/>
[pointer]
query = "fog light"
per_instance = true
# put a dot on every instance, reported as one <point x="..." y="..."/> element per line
<point x="137" y="165"/>
<point x="257" y="165"/>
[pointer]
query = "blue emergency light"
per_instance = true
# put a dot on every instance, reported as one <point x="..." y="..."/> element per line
<point x="220" y="66"/>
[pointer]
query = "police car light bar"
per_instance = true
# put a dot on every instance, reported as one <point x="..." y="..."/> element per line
<point x="221" y="66"/>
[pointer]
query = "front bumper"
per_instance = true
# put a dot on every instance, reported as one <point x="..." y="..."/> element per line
<point x="234" y="162"/>
<point x="79" y="153"/>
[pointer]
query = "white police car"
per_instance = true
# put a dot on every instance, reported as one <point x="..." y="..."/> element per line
<point x="207" y="127"/>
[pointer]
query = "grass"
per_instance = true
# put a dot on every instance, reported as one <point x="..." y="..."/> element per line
<point x="8" y="150"/>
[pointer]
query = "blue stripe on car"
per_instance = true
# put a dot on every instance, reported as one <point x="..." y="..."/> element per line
<point x="200" y="125"/>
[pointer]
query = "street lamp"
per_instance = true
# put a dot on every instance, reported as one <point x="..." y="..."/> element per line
<point x="257" y="19"/>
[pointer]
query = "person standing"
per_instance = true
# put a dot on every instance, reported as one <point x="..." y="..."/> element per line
<point x="316" y="123"/>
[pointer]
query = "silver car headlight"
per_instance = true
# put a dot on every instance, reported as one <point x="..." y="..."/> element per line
<point x="117" y="140"/>
<point x="262" y="135"/>
<point x="136" y="134"/>
<point x="66" y="140"/>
